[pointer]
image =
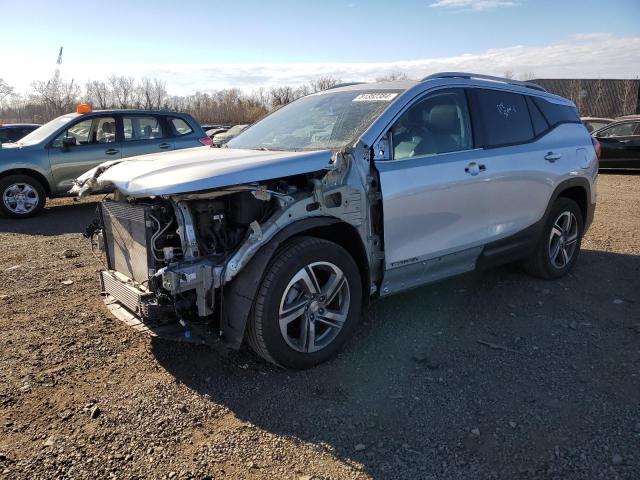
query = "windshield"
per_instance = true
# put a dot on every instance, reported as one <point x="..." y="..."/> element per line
<point x="42" y="133"/>
<point x="317" y="122"/>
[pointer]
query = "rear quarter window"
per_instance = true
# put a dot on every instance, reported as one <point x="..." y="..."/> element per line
<point x="179" y="127"/>
<point x="540" y="124"/>
<point x="555" y="113"/>
<point x="501" y="118"/>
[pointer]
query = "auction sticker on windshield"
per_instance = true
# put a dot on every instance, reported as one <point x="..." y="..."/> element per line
<point x="375" y="97"/>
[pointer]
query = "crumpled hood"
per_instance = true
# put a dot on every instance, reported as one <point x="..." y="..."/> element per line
<point x="195" y="169"/>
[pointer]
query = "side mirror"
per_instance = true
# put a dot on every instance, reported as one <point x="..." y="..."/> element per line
<point x="382" y="148"/>
<point x="68" y="142"/>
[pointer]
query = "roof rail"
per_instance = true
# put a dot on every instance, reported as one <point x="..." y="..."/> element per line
<point x="345" y="84"/>
<point x="510" y="81"/>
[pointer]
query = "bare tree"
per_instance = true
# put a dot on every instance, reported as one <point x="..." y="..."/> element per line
<point x="626" y="97"/>
<point x="509" y="74"/>
<point x="123" y="90"/>
<point x="392" y="76"/>
<point x="159" y="93"/>
<point x="595" y="106"/>
<point x="281" y="96"/>
<point x="98" y="94"/>
<point x="145" y="93"/>
<point x="575" y="93"/>
<point x="57" y="95"/>
<point x="323" y="83"/>
<point x="5" y="90"/>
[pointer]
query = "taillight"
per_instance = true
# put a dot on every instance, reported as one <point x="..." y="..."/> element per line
<point x="206" y="141"/>
<point x="597" y="146"/>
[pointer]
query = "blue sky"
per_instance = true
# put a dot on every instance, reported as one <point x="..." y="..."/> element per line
<point x="257" y="43"/>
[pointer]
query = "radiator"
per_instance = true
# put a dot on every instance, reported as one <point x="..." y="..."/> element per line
<point x="127" y="232"/>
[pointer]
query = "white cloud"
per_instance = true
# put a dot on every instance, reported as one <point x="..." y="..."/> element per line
<point x="477" y="5"/>
<point x="599" y="55"/>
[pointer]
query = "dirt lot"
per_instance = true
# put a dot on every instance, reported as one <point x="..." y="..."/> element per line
<point x="415" y="394"/>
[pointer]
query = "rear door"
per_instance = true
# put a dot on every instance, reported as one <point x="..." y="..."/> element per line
<point x="96" y="142"/>
<point x="144" y="133"/>
<point x="523" y="163"/>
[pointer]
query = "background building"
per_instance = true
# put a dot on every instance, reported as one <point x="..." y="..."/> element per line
<point x="599" y="97"/>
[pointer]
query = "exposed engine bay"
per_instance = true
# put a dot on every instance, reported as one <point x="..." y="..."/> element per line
<point x="168" y="257"/>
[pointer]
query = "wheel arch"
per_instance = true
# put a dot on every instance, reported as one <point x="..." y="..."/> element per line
<point x="31" y="173"/>
<point x="579" y="194"/>
<point x="240" y="293"/>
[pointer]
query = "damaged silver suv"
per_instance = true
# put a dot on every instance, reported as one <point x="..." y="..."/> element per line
<point x="358" y="191"/>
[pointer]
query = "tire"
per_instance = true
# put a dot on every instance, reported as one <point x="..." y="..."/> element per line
<point x="549" y="261"/>
<point x="307" y="281"/>
<point x="30" y="191"/>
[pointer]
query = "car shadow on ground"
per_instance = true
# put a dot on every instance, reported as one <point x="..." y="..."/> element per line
<point x="523" y="361"/>
<point x="71" y="217"/>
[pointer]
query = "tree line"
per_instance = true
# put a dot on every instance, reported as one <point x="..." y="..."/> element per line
<point x="48" y="99"/>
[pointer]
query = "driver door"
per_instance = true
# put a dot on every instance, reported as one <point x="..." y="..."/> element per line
<point x="95" y="142"/>
<point x="434" y="193"/>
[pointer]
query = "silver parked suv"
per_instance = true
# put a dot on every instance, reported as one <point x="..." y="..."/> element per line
<point x="360" y="190"/>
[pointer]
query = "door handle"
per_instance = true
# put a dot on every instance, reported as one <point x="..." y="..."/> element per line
<point x="552" y="157"/>
<point x="474" y="168"/>
<point x="111" y="151"/>
<point x="164" y="146"/>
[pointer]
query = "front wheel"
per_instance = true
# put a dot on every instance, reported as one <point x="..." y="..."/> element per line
<point x="560" y="243"/>
<point x="308" y="304"/>
<point x="22" y="196"/>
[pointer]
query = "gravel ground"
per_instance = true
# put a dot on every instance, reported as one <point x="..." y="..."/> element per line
<point x="553" y="393"/>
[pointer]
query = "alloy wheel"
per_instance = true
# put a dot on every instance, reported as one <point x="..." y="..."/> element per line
<point x="314" y="307"/>
<point x="563" y="239"/>
<point x="20" y="198"/>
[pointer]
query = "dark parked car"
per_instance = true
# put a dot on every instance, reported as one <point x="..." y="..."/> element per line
<point x="620" y="143"/>
<point x="12" y="132"/>
<point x="596" y="123"/>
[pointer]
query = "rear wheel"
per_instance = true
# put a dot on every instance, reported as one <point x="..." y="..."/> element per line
<point x="559" y="246"/>
<point x="22" y="196"/>
<point x="308" y="304"/>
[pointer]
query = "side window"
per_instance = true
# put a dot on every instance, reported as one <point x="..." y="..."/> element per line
<point x="439" y="123"/>
<point x="91" y="131"/>
<point x="15" y="134"/>
<point x="139" y="127"/>
<point x="502" y="117"/>
<point x="622" y="130"/>
<point x="556" y="113"/>
<point x="179" y="126"/>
